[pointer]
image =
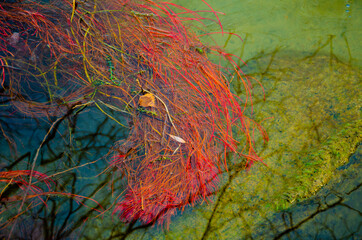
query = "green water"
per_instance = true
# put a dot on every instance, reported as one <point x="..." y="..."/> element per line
<point x="300" y="27"/>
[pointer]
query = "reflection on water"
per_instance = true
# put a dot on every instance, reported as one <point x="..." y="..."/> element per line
<point x="73" y="153"/>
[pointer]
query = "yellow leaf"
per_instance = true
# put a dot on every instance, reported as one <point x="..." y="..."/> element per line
<point x="147" y="100"/>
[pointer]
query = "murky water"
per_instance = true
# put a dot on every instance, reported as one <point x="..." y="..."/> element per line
<point x="307" y="56"/>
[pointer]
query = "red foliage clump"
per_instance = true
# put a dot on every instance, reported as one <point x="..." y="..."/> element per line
<point x="138" y="58"/>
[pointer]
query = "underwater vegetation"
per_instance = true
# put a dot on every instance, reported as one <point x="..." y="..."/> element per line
<point x="140" y="64"/>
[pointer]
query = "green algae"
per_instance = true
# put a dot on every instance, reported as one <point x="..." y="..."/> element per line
<point x="319" y="166"/>
<point x="332" y="213"/>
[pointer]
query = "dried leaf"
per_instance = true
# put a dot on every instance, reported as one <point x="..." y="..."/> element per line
<point x="177" y="139"/>
<point x="147" y="100"/>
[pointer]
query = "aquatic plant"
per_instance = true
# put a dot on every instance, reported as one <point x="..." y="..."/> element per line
<point x="34" y="49"/>
<point x="140" y="59"/>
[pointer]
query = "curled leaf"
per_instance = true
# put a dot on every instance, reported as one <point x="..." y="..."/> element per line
<point x="177" y="139"/>
<point x="147" y="100"/>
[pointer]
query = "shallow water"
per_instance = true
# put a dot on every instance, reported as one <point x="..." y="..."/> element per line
<point x="334" y="212"/>
<point x="307" y="56"/>
<point x="302" y="27"/>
